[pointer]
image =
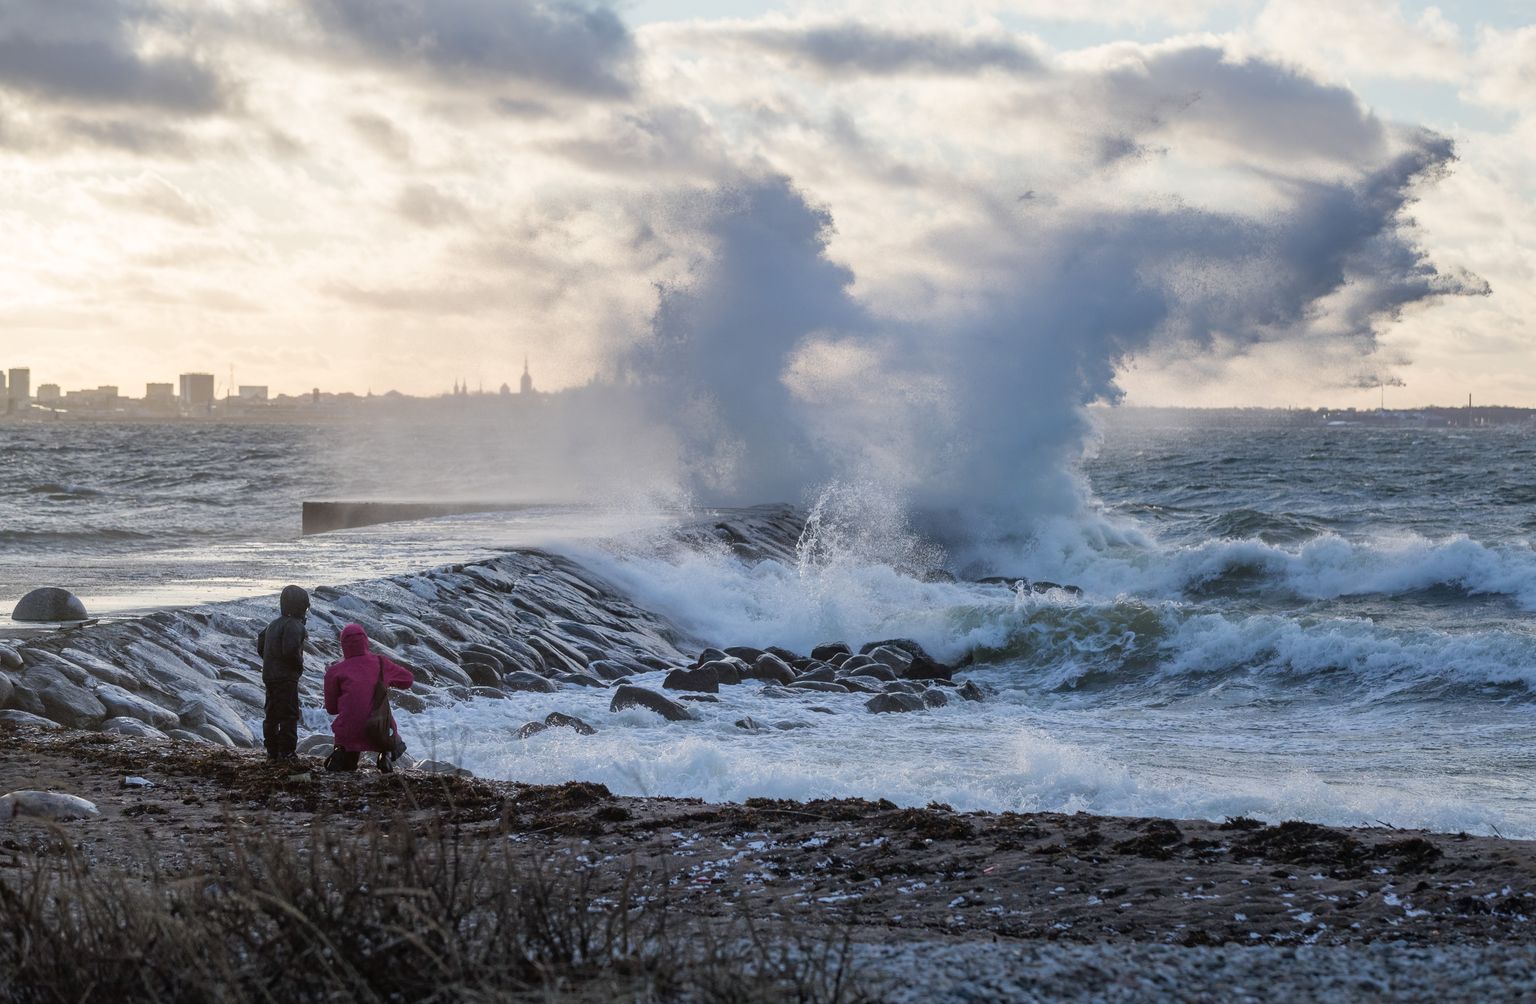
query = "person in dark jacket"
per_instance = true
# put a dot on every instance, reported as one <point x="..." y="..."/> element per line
<point x="349" y="691"/>
<point x="281" y="647"/>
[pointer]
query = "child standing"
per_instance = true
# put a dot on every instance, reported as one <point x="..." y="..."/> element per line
<point x="281" y="647"/>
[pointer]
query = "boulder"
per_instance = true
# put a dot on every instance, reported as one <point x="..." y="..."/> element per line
<point x="874" y="671"/>
<point x="782" y="653"/>
<point x="906" y="645"/>
<point x="629" y="696"/>
<point x="863" y="684"/>
<point x="122" y="704"/>
<point x="489" y="693"/>
<point x="750" y="724"/>
<point x="822" y="672"/>
<point x="212" y="709"/>
<point x="700" y="698"/>
<point x="182" y="735"/>
<point x="441" y="767"/>
<point x="529" y="682"/>
<point x="54" y="806"/>
<point x="891" y="657"/>
<point x="531" y="729"/>
<point x="711" y="655"/>
<point x="924" y="668"/>
<point x="935" y="698"/>
<point x="855" y="663"/>
<point x="609" y="670"/>
<point x="131" y="727"/>
<point x="971" y="692"/>
<point x="15" y="717"/>
<point x="7" y="691"/>
<point x="581" y="680"/>
<point x="481" y="670"/>
<point x="774" y="690"/>
<point x="50" y="604"/>
<point x="314" y="742"/>
<point x="556" y="720"/>
<point x="893" y="703"/>
<point x="821" y="686"/>
<point x="404" y="700"/>
<point x="65" y="702"/>
<point x="10" y="658"/>
<point x="827" y="651"/>
<point x="247" y="693"/>
<point x="771" y="668"/>
<point x="703" y="679"/>
<point x="727" y="671"/>
<point x="745" y="653"/>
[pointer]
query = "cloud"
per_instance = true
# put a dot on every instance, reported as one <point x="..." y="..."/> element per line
<point x="564" y="46"/>
<point x="153" y="195"/>
<point x="1362" y="38"/>
<point x="428" y="206"/>
<point x="89" y="53"/>
<point x="382" y="135"/>
<point x="861" y="48"/>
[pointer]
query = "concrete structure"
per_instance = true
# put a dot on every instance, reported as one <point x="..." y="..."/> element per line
<point x="160" y="395"/>
<point x="3" y="393"/>
<point x="197" y="390"/>
<point x="20" y="393"/>
<point x="49" y="394"/>
<point x="251" y="393"/>
<point x="101" y="399"/>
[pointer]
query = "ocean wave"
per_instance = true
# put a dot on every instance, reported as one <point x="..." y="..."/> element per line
<point x="49" y="538"/>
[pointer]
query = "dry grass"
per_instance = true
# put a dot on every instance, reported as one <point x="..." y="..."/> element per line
<point x="402" y="912"/>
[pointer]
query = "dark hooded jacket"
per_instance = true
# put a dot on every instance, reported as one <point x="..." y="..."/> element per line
<point x="281" y="643"/>
<point x="349" y="686"/>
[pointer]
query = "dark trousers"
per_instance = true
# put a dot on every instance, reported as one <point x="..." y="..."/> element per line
<point x="280" y="728"/>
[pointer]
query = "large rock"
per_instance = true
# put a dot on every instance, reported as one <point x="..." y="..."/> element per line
<point x="131" y="727"/>
<point x="556" y="720"/>
<point x="827" y="651"/>
<point x="9" y="657"/>
<point x="703" y="680"/>
<point x="629" y="696"/>
<point x="609" y="670"/>
<point x="822" y="671"/>
<point x="771" y="668"/>
<point x="122" y="704"/>
<point x="65" y="702"/>
<point x="210" y="709"/>
<point x="891" y="657"/>
<point x="727" y="671"/>
<point x="924" y="668"/>
<point x="16" y="717"/>
<point x="894" y="703"/>
<point x="821" y="686"/>
<point x="530" y="682"/>
<point x="7" y="691"/>
<point x="50" y="604"/>
<point x="971" y="692"/>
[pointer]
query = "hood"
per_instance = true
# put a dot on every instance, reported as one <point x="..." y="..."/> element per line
<point x="354" y="641"/>
<point x="294" y="602"/>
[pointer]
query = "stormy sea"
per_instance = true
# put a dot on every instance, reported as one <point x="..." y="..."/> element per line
<point x="1330" y="623"/>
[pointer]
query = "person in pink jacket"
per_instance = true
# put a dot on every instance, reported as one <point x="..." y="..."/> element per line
<point x="349" y="696"/>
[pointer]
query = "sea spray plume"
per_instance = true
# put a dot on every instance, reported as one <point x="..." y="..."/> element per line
<point x="712" y="367"/>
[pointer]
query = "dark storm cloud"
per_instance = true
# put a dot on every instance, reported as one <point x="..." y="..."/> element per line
<point x="852" y="48"/>
<point x="565" y="46"/>
<point x="83" y="52"/>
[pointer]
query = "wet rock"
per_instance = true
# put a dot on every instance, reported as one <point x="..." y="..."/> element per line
<point x="184" y="736"/>
<point x="820" y="686"/>
<point x="49" y="604"/>
<point x="581" y="680"/>
<point x="531" y="729"/>
<point x="745" y="653"/>
<point x="609" y="670"/>
<point x="122" y="704"/>
<point x="7" y="691"/>
<point x="750" y="724"/>
<point x="894" y="703"/>
<point x="247" y="694"/>
<point x="863" y="684"/>
<point x="704" y="679"/>
<point x="131" y="727"/>
<point x="971" y="692"/>
<point x="827" y="651"/>
<point x="488" y="693"/>
<point x="575" y="629"/>
<point x="855" y="663"/>
<point x="771" y="668"/>
<point x="906" y="645"/>
<point x="823" y="672"/>
<point x="24" y="698"/>
<point x="10" y="658"/>
<point x="629" y="696"/>
<point x="481" y="671"/>
<point x="783" y="653"/>
<point x="529" y="682"/>
<point x="775" y="691"/>
<point x="65" y="702"/>
<point x="893" y="658"/>
<point x="215" y="735"/>
<point x="404" y="700"/>
<point x="17" y="717"/>
<point x="924" y="668"/>
<point x="556" y="720"/>
<point x="710" y="655"/>
<point x="314" y="742"/>
<point x="874" y="671"/>
<point x="903" y="687"/>
<point x="442" y="767"/>
<point x="219" y="714"/>
<point x="700" y="698"/>
<point x="787" y="726"/>
<point x="935" y="698"/>
<point x="727" y="671"/>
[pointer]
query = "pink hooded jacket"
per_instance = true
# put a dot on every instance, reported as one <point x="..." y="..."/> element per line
<point x="349" y="689"/>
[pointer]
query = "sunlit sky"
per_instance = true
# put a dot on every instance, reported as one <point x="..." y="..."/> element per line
<point x="369" y="197"/>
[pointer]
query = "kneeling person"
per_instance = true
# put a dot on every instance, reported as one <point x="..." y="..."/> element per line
<point x="349" y="690"/>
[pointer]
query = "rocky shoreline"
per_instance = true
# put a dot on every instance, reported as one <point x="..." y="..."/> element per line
<point x="910" y="884"/>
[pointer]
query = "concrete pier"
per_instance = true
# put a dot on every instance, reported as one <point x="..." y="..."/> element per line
<point x="323" y="517"/>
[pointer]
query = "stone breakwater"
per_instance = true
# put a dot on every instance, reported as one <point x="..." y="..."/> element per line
<point x="523" y="621"/>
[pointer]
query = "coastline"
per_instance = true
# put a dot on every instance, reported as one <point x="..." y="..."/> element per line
<point x="908" y="890"/>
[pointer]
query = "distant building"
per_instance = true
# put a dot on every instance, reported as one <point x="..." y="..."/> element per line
<point x="47" y="393"/>
<point x="253" y="392"/>
<point x="160" y="396"/>
<point x="506" y="390"/>
<point x="103" y="398"/>
<point x="197" y="390"/>
<point x="525" y="386"/>
<point x="20" y="393"/>
<point x="3" y="395"/>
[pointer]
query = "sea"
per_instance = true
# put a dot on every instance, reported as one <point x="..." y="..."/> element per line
<point x="1331" y="623"/>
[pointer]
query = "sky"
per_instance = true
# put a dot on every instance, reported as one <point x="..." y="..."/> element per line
<point x="364" y="195"/>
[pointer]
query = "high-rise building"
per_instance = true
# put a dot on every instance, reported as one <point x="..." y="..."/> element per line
<point x="3" y="394"/>
<point x="20" y="394"/>
<point x="526" y="385"/>
<point x="196" y="390"/>
<point x="160" y="396"/>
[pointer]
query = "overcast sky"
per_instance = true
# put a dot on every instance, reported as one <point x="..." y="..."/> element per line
<point x="365" y="195"/>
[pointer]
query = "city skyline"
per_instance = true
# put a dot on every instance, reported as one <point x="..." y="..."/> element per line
<point x="406" y="201"/>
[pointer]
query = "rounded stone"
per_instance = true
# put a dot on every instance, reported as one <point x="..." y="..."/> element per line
<point x="50" y="604"/>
